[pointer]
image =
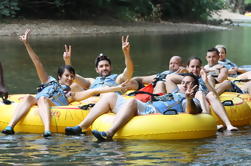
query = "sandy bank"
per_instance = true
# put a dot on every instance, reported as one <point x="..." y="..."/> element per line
<point x="235" y="17"/>
<point x="49" y="27"/>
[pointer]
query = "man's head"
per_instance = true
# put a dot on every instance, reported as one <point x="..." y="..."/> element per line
<point x="103" y="65"/>
<point x="189" y="81"/>
<point x="212" y="56"/>
<point x="175" y="63"/>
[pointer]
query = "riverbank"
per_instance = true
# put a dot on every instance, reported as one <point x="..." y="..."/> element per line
<point x="228" y="15"/>
<point x="67" y="27"/>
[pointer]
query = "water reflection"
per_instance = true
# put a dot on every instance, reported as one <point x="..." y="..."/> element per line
<point x="31" y="148"/>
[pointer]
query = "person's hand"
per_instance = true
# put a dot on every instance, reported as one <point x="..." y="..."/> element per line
<point x="191" y="90"/>
<point x="124" y="86"/>
<point x="67" y="54"/>
<point x="24" y="37"/>
<point x="125" y="45"/>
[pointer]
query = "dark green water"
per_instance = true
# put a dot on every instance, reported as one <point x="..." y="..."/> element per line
<point x="151" y="53"/>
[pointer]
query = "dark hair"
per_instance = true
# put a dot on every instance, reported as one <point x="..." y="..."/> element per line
<point x="196" y="81"/>
<point x="213" y="50"/>
<point x="193" y="58"/>
<point x="102" y="57"/>
<point x="62" y="68"/>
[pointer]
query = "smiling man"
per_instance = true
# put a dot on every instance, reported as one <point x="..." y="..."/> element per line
<point x="104" y="69"/>
<point x="217" y="73"/>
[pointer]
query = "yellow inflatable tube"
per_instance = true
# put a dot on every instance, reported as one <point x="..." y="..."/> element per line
<point x="61" y="117"/>
<point x="239" y="113"/>
<point x="161" y="127"/>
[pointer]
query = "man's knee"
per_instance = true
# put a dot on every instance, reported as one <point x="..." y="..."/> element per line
<point x="29" y="98"/>
<point x="43" y="99"/>
<point x="109" y="95"/>
<point x="211" y="96"/>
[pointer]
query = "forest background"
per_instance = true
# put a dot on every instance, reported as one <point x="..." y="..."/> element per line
<point x="122" y="10"/>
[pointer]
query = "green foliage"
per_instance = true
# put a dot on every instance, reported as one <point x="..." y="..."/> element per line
<point x="120" y="9"/>
<point x="191" y="10"/>
<point x="8" y="8"/>
<point x="247" y="1"/>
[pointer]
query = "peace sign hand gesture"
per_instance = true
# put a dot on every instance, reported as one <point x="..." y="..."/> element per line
<point x="67" y="54"/>
<point x="24" y="37"/>
<point x="125" y="45"/>
<point x="190" y="92"/>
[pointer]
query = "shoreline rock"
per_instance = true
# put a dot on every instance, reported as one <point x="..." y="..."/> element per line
<point x="82" y="28"/>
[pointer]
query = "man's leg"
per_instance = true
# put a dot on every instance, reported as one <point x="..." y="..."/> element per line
<point x="127" y="112"/>
<point x="203" y="101"/>
<point x="104" y="105"/>
<point x="160" y="87"/>
<point x="222" y="87"/>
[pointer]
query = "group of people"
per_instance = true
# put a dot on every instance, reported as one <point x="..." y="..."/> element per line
<point x="193" y="88"/>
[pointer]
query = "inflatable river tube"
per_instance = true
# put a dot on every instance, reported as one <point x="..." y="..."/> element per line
<point x="245" y="97"/>
<point x="61" y="117"/>
<point x="161" y="127"/>
<point x="238" y="110"/>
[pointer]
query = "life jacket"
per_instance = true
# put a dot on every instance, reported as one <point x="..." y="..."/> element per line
<point x="54" y="91"/>
<point x="227" y="63"/>
<point x="161" y="76"/>
<point x="171" y="102"/>
<point x="105" y="81"/>
<point x="145" y="94"/>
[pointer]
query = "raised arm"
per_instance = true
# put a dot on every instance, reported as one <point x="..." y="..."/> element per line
<point x="129" y="69"/>
<point x="43" y="76"/>
<point x="81" y="81"/>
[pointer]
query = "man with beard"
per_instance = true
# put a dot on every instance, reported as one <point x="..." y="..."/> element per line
<point x="104" y="69"/>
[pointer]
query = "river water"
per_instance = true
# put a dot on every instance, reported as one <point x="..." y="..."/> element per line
<point x="150" y="53"/>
